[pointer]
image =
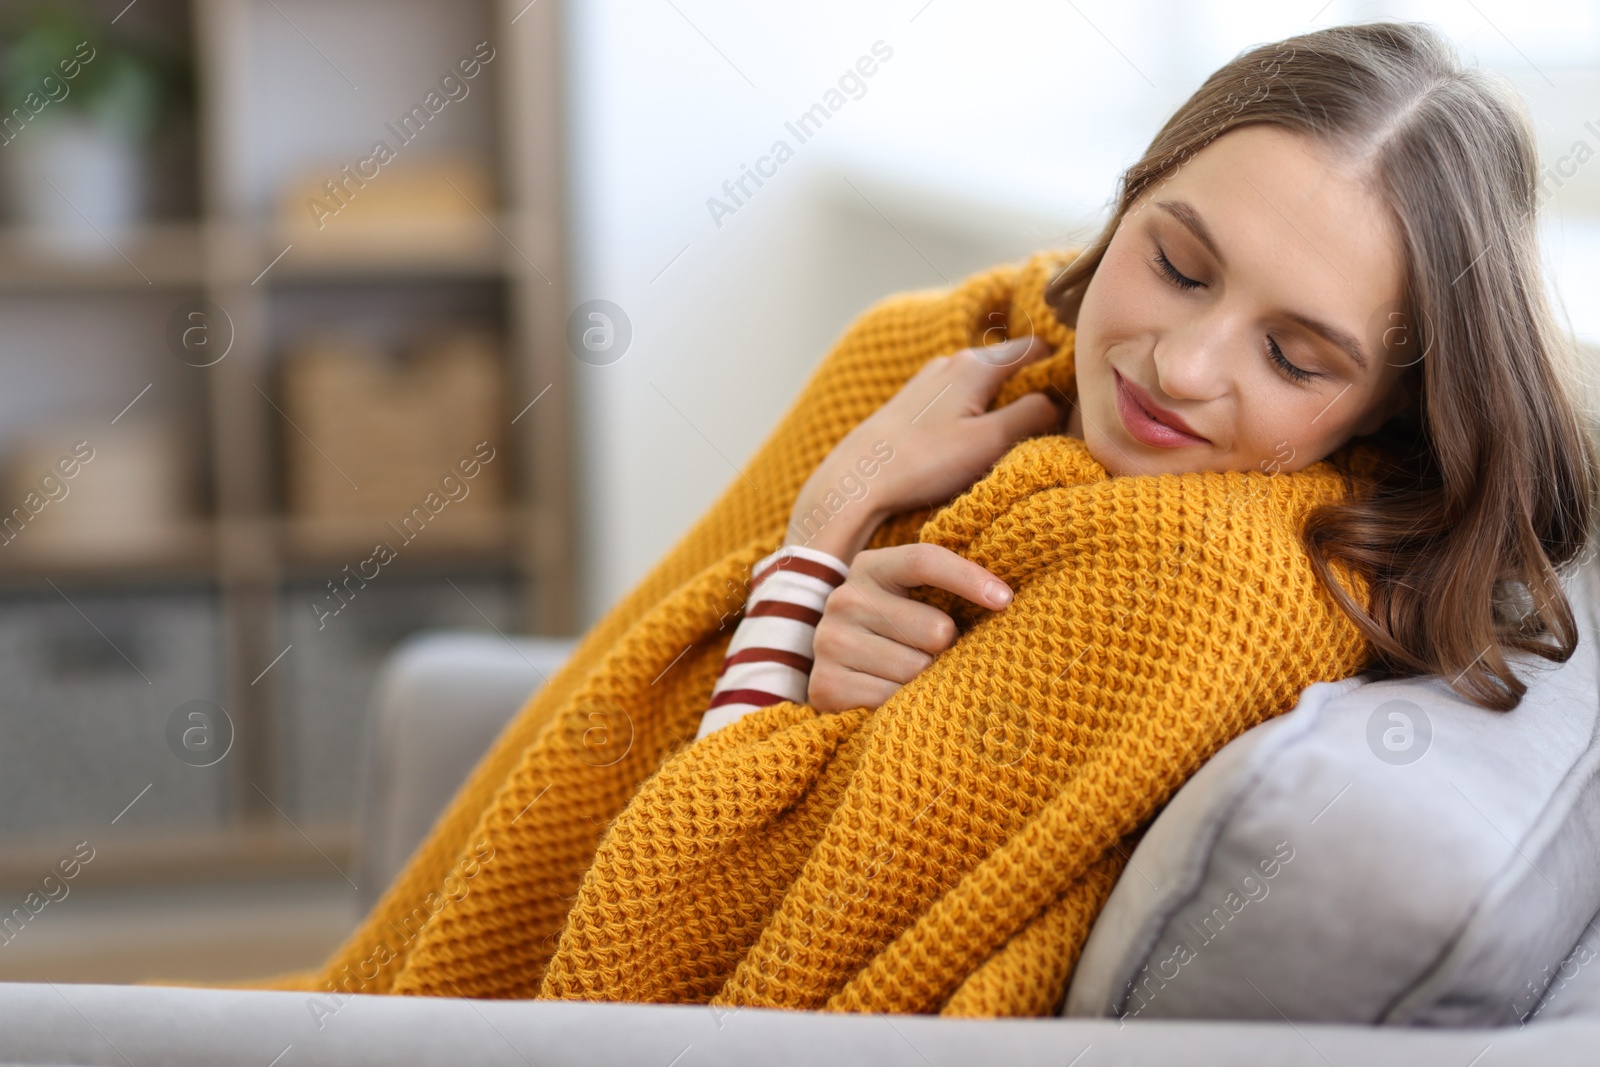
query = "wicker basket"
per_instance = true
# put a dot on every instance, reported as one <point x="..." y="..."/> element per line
<point x="372" y="438"/>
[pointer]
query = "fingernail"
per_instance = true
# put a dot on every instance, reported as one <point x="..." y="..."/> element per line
<point x="996" y="593"/>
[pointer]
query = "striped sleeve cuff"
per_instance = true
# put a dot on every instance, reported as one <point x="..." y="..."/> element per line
<point x="769" y="656"/>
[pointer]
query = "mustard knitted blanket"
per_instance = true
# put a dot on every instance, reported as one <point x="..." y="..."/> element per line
<point x="946" y="852"/>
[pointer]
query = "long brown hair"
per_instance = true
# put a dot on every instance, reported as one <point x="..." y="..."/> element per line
<point x="1492" y="477"/>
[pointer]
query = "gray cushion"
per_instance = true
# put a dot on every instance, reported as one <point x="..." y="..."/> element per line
<point x="1386" y="852"/>
<point x="1572" y="986"/>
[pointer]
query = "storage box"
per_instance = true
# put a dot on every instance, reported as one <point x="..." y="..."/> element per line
<point x="373" y="439"/>
<point x="91" y="685"/>
<point x="327" y="678"/>
<point x="96" y="492"/>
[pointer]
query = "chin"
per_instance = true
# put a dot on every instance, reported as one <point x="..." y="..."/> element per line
<point x="1105" y="453"/>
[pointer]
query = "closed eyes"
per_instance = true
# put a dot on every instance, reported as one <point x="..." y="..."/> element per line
<point x="1292" y="372"/>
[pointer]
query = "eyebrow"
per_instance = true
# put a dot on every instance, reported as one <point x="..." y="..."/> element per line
<point x="1185" y="213"/>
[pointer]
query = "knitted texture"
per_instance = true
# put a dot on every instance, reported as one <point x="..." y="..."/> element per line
<point x="945" y="852"/>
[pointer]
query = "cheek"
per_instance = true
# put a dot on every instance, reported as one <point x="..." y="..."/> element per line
<point x="1120" y="311"/>
<point x="1124" y="301"/>
<point x="1277" y="433"/>
<point x="1106" y="288"/>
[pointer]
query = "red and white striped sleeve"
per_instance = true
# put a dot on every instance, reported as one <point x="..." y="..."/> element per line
<point x="769" y="656"/>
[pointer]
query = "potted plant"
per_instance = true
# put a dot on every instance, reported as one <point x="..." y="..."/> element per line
<point x="82" y="99"/>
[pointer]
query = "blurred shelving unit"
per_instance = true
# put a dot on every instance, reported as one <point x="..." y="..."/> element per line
<point x="282" y="87"/>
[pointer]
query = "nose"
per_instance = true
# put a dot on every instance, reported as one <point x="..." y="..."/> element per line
<point x="1192" y="361"/>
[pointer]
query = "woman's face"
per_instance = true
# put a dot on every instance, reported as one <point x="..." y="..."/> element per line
<point x="1294" y="240"/>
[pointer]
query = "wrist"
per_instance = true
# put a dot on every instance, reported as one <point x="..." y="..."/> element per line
<point x="837" y="541"/>
<point x="830" y="522"/>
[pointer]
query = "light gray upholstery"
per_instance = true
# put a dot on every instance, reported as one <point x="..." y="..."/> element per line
<point x="1387" y="852"/>
<point x="441" y="700"/>
<point x="1573" y="984"/>
<point x="115" y="1026"/>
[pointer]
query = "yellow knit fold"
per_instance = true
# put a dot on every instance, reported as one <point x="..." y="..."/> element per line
<point x="945" y="852"/>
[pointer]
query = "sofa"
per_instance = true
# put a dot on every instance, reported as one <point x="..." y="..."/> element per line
<point x="1386" y="874"/>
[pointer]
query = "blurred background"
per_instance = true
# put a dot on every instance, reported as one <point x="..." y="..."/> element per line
<point x="324" y="323"/>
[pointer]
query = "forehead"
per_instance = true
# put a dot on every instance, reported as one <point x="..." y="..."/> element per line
<point x="1298" y="228"/>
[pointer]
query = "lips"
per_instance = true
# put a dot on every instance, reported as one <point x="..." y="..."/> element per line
<point x="1150" y="423"/>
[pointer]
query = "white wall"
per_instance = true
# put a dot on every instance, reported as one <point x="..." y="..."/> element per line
<point x="993" y="129"/>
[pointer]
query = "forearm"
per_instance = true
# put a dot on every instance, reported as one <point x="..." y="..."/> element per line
<point x="769" y="657"/>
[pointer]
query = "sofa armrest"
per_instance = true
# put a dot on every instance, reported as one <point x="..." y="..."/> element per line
<point x="439" y="703"/>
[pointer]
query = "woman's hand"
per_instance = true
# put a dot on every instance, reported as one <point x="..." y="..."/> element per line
<point x="928" y="442"/>
<point x="873" y="638"/>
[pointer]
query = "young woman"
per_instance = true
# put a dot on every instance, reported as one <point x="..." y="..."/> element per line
<point x="1324" y="268"/>
<point x="1333" y="238"/>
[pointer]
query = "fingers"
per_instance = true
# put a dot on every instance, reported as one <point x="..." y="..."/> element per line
<point x="854" y="666"/>
<point x="843" y="647"/>
<point x="837" y="688"/>
<point x="864" y="606"/>
<point x="1011" y="354"/>
<point x="873" y="638"/>
<point x="984" y="367"/>
<point x="993" y="364"/>
<point x="1026" y="416"/>
<point x="904" y="567"/>
<point x="978" y="372"/>
<point x="982" y="370"/>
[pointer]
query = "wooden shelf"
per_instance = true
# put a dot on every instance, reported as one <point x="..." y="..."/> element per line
<point x="186" y="553"/>
<point x="187" y="855"/>
<point x="175" y="255"/>
<point x="259" y="272"/>
<point x="206" y="550"/>
<point x="465" y="247"/>
<point x="160" y="256"/>
<point x="468" y="537"/>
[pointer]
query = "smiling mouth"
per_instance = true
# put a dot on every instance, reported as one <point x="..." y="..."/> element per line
<point x="1146" y="428"/>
